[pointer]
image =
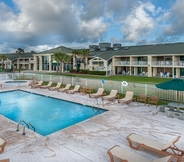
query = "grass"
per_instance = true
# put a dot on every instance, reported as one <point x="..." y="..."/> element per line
<point x="128" y="78"/>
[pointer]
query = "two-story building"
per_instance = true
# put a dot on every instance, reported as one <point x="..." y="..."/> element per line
<point x="161" y="60"/>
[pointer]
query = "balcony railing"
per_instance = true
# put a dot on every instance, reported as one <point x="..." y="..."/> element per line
<point x="139" y="63"/>
<point x="122" y="63"/>
<point x="162" y="63"/>
<point x="179" y="63"/>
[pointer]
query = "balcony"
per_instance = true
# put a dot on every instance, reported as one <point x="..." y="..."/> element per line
<point x="162" y="63"/>
<point x="179" y="63"/>
<point x="139" y="63"/>
<point x="121" y="63"/>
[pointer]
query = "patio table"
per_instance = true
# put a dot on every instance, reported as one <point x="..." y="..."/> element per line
<point x="176" y="105"/>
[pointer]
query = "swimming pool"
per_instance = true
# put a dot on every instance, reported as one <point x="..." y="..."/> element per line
<point x="46" y="114"/>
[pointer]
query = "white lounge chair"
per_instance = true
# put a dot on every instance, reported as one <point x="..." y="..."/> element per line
<point x="2" y="145"/>
<point x="128" y="98"/>
<point x="113" y="95"/>
<point x="67" y="87"/>
<point x="169" y="149"/>
<point x="127" y="156"/>
<point x="98" y="94"/>
<point x="56" y="87"/>
<point x="37" y="85"/>
<point x="46" y="86"/>
<point x="76" y="89"/>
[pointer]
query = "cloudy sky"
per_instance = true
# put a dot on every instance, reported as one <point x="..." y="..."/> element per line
<point x="38" y="25"/>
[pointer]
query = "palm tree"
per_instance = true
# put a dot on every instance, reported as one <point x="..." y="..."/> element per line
<point x="3" y="58"/>
<point x="84" y="53"/>
<point x="75" y="53"/>
<point x="55" y="57"/>
<point x="19" y="51"/>
<point x="61" y="58"/>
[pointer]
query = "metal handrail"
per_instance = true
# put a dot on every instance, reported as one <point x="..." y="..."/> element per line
<point x="32" y="126"/>
<point x="24" y="126"/>
<point x="19" y="124"/>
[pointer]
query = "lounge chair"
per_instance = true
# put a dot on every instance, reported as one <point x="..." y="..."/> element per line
<point x="136" y="142"/>
<point x="128" y="98"/>
<point x="142" y="98"/>
<point x="89" y="90"/>
<point x="127" y="156"/>
<point x="56" y="87"/>
<point x="46" y="86"/>
<point x="113" y="95"/>
<point x="153" y="100"/>
<point x="33" y="81"/>
<point x="37" y="85"/>
<point x="98" y="94"/>
<point x="76" y="89"/>
<point x="67" y="87"/>
<point x="2" y="145"/>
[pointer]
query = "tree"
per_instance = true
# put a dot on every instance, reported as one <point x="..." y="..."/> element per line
<point x="19" y="52"/>
<point x="55" y="57"/>
<point x="75" y="54"/>
<point x="3" y="58"/>
<point x="84" y="53"/>
<point x="60" y="58"/>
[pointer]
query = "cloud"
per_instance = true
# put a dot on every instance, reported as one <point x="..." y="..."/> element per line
<point x="139" y="23"/>
<point x="172" y="23"/>
<point x="176" y="17"/>
<point x="44" y="24"/>
<point x="41" y="22"/>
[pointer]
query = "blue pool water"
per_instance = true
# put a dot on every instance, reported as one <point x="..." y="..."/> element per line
<point x="46" y="114"/>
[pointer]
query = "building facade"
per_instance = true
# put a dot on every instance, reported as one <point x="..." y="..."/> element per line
<point x="157" y="60"/>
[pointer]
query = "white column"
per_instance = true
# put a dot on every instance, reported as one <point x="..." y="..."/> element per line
<point x="40" y="63"/>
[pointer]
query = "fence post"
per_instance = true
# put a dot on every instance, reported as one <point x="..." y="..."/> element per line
<point x="146" y="89"/>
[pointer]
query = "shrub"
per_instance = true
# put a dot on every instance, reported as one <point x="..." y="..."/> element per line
<point x="97" y="72"/>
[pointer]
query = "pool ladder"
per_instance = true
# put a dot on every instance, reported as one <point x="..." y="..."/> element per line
<point x="24" y="126"/>
<point x="96" y="109"/>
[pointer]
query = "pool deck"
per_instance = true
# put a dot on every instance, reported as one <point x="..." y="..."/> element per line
<point x="89" y="141"/>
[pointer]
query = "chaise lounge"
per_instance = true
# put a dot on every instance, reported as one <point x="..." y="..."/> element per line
<point x="72" y="91"/>
<point x="56" y="87"/>
<point x="67" y="87"/>
<point x="98" y="94"/>
<point x="2" y="145"/>
<point x="46" y="86"/>
<point x="137" y="142"/>
<point x="127" y="156"/>
<point x="113" y="95"/>
<point x="128" y="97"/>
<point x="37" y="85"/>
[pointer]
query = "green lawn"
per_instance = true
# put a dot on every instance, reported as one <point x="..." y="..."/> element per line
<point x="128" y="78"/>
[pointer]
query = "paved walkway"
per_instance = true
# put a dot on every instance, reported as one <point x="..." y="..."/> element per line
<point x="88" y="141"/>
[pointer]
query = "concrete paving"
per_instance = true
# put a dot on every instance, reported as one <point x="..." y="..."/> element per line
<point x="89" y="141"/>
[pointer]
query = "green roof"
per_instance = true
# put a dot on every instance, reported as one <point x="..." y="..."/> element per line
<point x="172" y="48"/>
<point x="14" y="56"/>
<point x="57" y="49"/>
<point x="154" y="49"/>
